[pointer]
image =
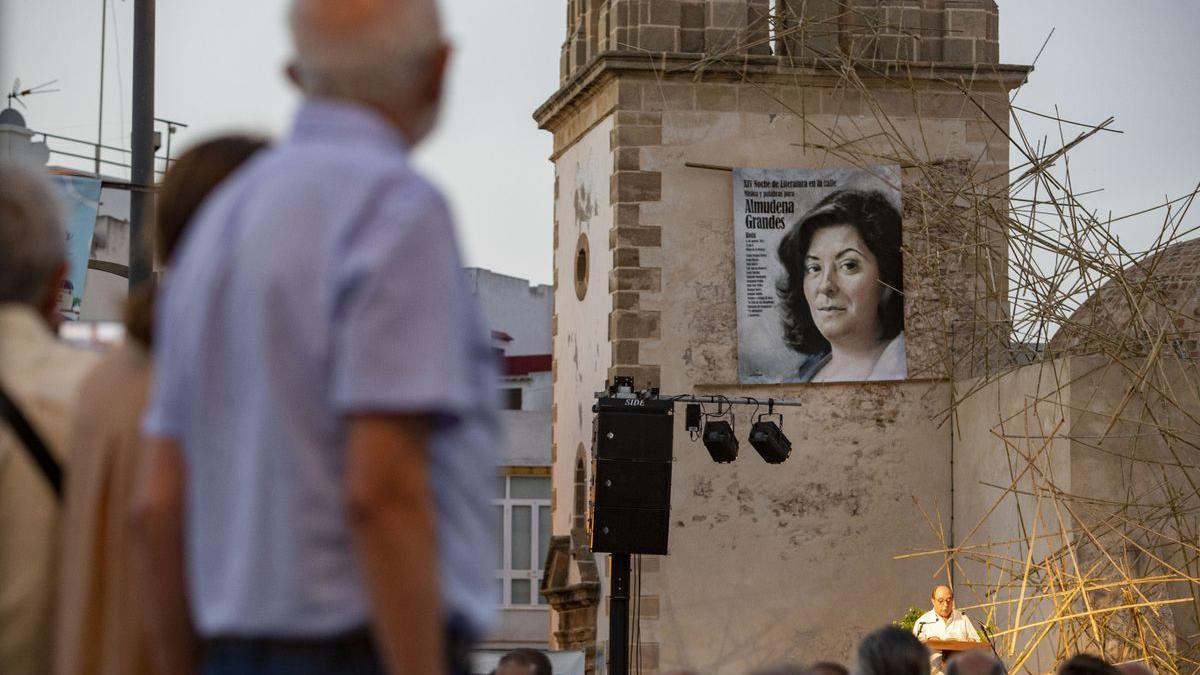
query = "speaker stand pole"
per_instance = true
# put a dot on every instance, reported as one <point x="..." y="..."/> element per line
<point x="618" y="616"/>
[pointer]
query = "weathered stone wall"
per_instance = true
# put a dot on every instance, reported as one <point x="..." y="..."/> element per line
<point x="1134" y="433"/>
<point x="955" y="254"/>
<point x="842" y="507"/>
<point x="898" y="30"/>
<point x="1085" y="456"/>
<point x="796" y="561"/>
<point x="583" y="217"/>
<point x="742" y="566"/>
<point x="1009" y="434"/>
<point x="962" y="32"/>
<point x="792" y="561"/>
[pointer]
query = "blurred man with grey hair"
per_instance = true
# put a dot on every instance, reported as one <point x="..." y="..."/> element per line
<point x="322" y="425"/>
<point x="39" y="380"/>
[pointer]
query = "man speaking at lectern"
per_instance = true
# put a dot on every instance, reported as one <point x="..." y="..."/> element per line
<point x="943" y="622"/>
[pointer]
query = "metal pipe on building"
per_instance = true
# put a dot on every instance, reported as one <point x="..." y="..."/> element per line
<point x="100" y="114"/>
<point x="618" y="617"/>
<point x="141" y="257"/>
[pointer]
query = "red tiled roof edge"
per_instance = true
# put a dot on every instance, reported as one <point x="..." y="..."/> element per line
<point x="523" y="365"/>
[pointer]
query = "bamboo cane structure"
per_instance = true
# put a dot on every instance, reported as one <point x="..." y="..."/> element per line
<point x="1091" y="544"/>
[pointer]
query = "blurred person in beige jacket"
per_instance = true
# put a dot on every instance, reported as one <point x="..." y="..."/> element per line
<point x="99" y="632"/>
<point x="41" y="376"/>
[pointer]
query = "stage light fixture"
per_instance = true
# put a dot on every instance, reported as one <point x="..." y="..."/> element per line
<point x="720" y="442"/>
<point x="768" y="439"/>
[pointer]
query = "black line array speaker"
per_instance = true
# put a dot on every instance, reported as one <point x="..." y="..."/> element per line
<point x="631" y="475"/>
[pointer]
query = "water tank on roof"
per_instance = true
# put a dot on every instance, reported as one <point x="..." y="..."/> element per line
<point x="16" y="141"/>
<point x="12" y="117"/>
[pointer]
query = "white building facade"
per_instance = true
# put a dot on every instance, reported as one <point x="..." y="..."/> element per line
<point x="519" y="316"/>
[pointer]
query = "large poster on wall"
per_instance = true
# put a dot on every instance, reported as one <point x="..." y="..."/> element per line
<point x="81" y="197"/>
<point x="820" y="295"/>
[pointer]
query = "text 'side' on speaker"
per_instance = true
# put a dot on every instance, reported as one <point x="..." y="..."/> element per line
<point x="631" y="477"/>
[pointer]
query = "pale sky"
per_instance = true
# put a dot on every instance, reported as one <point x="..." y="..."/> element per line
<point x="219" y="69"/>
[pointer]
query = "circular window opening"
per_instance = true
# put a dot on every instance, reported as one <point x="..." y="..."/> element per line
<point x="581" y="267"/>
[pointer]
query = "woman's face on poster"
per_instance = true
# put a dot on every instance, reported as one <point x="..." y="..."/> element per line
<point x="842" y="286"/>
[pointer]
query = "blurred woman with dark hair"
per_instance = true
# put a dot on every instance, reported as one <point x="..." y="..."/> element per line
<point x="842" y="295"/>
<point x="97" y="633"/>
<point x="891" y="651"/>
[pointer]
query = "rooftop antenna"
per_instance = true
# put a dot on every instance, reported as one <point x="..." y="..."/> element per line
<point x="18" y="93"/>
<point x="100" y="114"/>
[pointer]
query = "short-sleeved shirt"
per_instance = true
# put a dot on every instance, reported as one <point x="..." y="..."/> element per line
<point x="321" y="280"/>
<point x="933" y="627"/>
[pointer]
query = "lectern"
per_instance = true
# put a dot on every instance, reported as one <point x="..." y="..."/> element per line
<point x="949" y="648"/>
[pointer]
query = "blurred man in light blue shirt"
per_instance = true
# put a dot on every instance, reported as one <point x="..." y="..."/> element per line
<point x="321" y="425"/>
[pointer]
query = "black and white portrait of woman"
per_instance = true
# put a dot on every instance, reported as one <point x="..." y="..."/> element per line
<point x="841" y="293"/>
<point x="819" y="271"/>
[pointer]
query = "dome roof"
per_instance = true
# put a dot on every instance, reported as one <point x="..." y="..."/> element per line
<point x="1156" y="296"/>
<point x="11" y="116"/>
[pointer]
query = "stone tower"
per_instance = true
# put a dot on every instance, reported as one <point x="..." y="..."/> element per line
<point x="658" y="100"/>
